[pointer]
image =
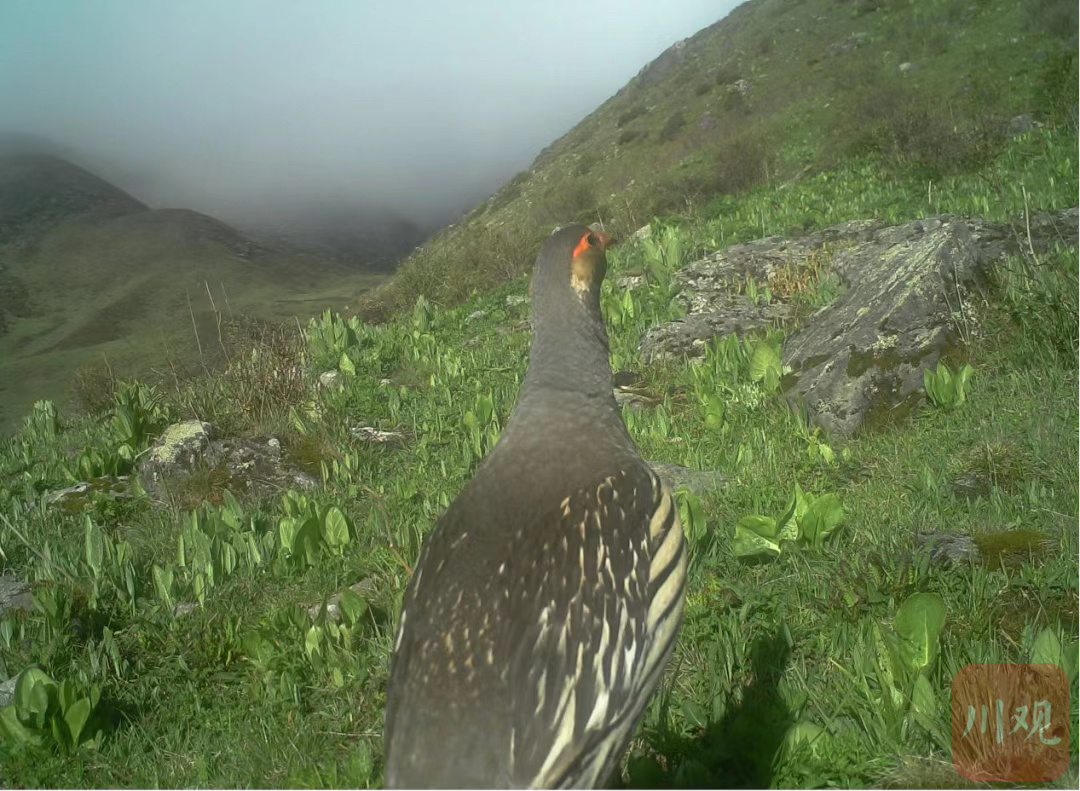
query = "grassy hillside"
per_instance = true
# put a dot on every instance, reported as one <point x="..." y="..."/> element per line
<point x="185" y="622"/>
<point x="88" y="275"/>
<point x="778" y="677"/>
<point x="774" y="93"/>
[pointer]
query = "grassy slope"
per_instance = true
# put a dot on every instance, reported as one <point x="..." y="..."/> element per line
<point x="811" y="103"/>
<point x="229" y="695"/>
<point x="118" y="288"/>
<point x="200" y="701"/>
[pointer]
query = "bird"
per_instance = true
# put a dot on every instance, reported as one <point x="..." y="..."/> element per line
<point x="546" y="602"/>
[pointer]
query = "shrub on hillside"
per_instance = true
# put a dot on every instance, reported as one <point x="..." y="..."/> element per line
<point x="93" y="387"/>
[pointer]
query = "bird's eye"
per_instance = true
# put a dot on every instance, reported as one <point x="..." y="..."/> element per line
<point x="592" y="240"/>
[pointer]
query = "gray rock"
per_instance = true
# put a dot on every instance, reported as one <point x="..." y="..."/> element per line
<point x="372" y="434"/>
<point x="908" y="299"/>
<point x="726" y="315"/>
<point x="329" y="378"/>
<point x="7" y="691"/>
<point x="14" y="594"/>
<point x="907" y="68"/>
<point x="78" y="496"/>
<point x="696" y="481"/>
<point x="255" y="467"/>
<point x="635" y="399"/>
<point x="1021" y="125"/>
<point x="476" y="315"/>
<point x="849" y="44"/>
<point x="514" y="300"/>
<point x="180" y="444"/>
<point x="629" y="282"/>
<point x="365" y="589"/>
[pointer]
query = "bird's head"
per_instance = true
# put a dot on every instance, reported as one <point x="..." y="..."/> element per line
<point x="573" y="259"/>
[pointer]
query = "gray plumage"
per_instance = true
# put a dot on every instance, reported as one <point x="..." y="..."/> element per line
<point x="546" y="602"/>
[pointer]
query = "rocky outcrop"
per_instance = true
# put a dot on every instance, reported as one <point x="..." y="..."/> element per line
<point x="910" y="294"/>
<point x="255" y="467"/>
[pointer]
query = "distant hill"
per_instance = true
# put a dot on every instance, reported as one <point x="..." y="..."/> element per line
<point x="86" y="270"/>
<point x="776" y="91"/>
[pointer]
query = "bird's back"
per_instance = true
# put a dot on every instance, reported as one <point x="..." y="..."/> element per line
<point x="526" y="628"/>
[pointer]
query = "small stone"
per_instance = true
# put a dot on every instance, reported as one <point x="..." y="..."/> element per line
<point x="7" y="691"/>
<point x="365" y="589"/>
<point x="697" y="481"/>
<point x="329" y="378"/>
<point x="372" y="434"/>
<point x="476" y="315"/>
<point x="14" y="594"/>
<point x="513" y="300"/>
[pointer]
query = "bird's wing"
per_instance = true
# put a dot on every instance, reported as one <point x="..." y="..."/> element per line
<point x="605" y="596"/>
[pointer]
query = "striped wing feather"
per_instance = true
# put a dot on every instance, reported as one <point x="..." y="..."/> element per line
<point x="608" y="602"/>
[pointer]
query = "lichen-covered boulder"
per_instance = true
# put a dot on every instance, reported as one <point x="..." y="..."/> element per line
<point x="255" y="467"/>
<point x="908" y="302"/>
<point x="910" y="294"/>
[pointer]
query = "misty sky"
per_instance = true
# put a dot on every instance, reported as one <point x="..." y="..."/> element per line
<point x="241" y="107"/>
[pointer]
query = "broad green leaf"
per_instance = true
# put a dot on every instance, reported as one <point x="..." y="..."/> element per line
<point x="311" y="641"/>
<point x="765" y="358"/>
<point x="308" y="538"/>
<point x="889" y="666"/>
<point x="804" y="736"/>
<point x="1048" y="649"/>
<point x="924" y="705"/>
<point x="692" y="517"/>
<point x="764" y="526"/>
<point x="28" y="680"/>
<point x="345" y="365"/>
<point x="67" y="694"/>
<point x="95" y="549"/>
<point x="287" y="530"/>
<point x="919" y="622"/>
<point x="335" y="528"/>
<point x="353" y="607"/>
<point x="232" y="513"/>
<point x="822" y="517"/>
<point x="747" y="543"/>
<point x="9" y="724"/>
<point x="75" y="717"/>
<point x="163" y="584"/>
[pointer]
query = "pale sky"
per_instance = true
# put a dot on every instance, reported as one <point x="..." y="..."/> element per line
<point x="242" y="107"/>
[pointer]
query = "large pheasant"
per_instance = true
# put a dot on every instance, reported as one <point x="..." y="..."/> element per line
<point x="546" y="601"/>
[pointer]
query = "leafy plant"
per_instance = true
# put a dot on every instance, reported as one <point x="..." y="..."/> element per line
<point x="765" y="363"/>
<point x="944" y="387"/>
<point x="905" y="657"/>
<point x="42" y="423"/>
<point x="807" y="522"/>
<point x="309" y="528"/>
<point x="45" y="712"/>
<point x="333" y="341"/>
<point x="1048" y="648"/>
<point x="482" y="426"/>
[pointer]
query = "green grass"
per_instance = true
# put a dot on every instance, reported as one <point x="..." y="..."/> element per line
<point x="246" y="690"/>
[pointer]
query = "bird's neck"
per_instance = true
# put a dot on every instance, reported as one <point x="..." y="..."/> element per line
<point x="569" y="365"/>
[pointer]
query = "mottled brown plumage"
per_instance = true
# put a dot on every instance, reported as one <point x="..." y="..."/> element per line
<point x="546" y="602"/>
